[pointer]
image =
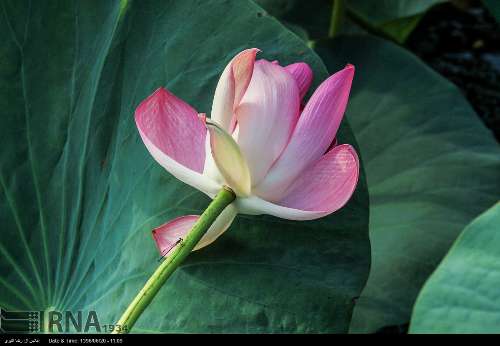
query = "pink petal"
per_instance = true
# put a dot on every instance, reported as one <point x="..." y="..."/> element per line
<point x="231" y="88"/>
<point x="167" y="236"/>
<point x="328" y="184"/>
<point x="175" y="137"/>
<point x="303" y="76"/>
<point x="173" y="127"/>
<point x="315" y="131"/>
<point x="254" y="205"/>
<point x="332" y="145"/>
<point x="320" y="191"/>
<point x="266" y="116"/>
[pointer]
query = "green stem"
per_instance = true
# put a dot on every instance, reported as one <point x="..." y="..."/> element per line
<point x="225" y="197"/>
<point x="337" y="16"/>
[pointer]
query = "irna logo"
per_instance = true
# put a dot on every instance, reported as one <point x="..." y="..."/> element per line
<point x="52" y="321"/>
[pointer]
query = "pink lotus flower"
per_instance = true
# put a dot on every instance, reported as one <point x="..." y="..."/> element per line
<point x="278" y="159"/>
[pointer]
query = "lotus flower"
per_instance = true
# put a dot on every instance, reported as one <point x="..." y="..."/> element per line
<point x="278" y="158"/>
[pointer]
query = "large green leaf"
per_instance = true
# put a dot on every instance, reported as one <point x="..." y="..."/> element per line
<point x="312" y="16"/>
<point x="384" y="11"/>
<point x="394" y="18"/>
<point x="431" y="168"/>
<point x="461" y="296"/>
<point x="79" y="193"/>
